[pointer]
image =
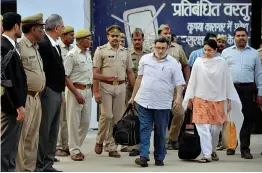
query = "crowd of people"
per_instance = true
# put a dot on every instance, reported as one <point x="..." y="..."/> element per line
<point x="46" y="109"/>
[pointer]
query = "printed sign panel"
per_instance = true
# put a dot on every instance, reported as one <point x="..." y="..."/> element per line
<point x="189" y="20"/>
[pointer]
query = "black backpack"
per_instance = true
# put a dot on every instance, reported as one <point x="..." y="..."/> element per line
<point x="189" y="144"/>
<point x="126" y="130"/>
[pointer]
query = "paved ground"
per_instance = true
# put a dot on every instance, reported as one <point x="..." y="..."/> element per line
<point x="102" y="163"/>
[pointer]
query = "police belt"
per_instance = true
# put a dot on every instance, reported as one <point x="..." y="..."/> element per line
<point x="82" y="87"/>
<point x="114" y="82"/>
<point x="33" y="93"/>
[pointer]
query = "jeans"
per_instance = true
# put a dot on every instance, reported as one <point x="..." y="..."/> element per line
<point x="160" y="119"/>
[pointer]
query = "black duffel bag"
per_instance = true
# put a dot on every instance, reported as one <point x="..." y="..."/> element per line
<point x="189" y="144"/>
<point x="126" y="130"/>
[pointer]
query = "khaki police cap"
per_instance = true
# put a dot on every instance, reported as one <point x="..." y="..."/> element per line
<point x="137" y="32"/>
<point x="222" y="37"/>
<point x="164" y="27"/>
<point x="122" y="35"/>
<point x="68" y="29"/>
<point x="114" y="29"/>
<point x="36" y="19"/>
<point x="81" y="33"/>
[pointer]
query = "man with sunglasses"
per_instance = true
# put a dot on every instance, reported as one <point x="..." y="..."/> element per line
<point x="111" y="59"/>
<point x="32" y="28"/>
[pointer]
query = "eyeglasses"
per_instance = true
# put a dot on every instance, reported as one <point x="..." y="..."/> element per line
<point x="161" y="48"/>
<point x="89" y="38"/>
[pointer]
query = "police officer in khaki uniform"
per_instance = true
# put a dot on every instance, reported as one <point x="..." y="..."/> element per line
<point x="111" y="59"/>
<point x="32" y="28"/>
<point x="176" y="51"/>
<point x="122" y="39"/>
<point x="137" y="50"/>
<point x="79" y="78"/>
<point x="67" y="39"/>
<point x="221" y="43"/>
<point x="62" y="149"/>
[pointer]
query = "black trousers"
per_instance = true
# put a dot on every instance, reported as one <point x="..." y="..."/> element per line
<point x="10" y="135"/>
<point x="48" y="132"/>
<point x="246" y="94"/>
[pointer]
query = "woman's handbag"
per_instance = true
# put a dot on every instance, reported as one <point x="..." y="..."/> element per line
<point x="229" y="134"/>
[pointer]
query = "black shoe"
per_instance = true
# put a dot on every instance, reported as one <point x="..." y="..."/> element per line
<point x="246" y="155"/>
<point x="231" y="152"/>
<point x="56" y="160"/>
<point x="134" y="152"/>
<point x="220" y="146"/>
<point x="159" y="163"/>
<point x="51" y="169"/>
<point x="172" y="145"/>
<point x="142" y="161"/>
<point x="261" y="153"/>
<point x="214" y="156"/>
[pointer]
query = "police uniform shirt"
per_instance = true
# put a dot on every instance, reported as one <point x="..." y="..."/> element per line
<point x="177" y="52"/>
<point x="33" y="65"/>
<point x="136" y="58"/>
<point x="78" y="66"/>
<point x="64" y="49"/>
<point x="113" y="63"/>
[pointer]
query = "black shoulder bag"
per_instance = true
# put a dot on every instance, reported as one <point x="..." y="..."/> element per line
<point x="126" y="130"/>
<point x="189" y="144"/>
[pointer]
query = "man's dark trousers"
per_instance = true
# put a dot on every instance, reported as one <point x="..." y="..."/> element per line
<point x="147" y="118"/>
<point x="48" y="132"/>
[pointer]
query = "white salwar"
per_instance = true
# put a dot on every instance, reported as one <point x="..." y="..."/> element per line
<point x="209" y="135"/>
<point x="211" y="80"/>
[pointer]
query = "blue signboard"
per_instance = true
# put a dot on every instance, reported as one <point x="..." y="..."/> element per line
<point x="190" y="20"/>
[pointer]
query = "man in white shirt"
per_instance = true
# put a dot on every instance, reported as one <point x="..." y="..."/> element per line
<point x="158" y="75"/>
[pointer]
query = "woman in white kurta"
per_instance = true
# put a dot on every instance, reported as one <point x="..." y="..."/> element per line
<point x="212" y="94"/>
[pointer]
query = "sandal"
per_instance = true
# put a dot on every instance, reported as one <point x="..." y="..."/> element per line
<point x="204" y="160"/>
<point x="214" y="156"/>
